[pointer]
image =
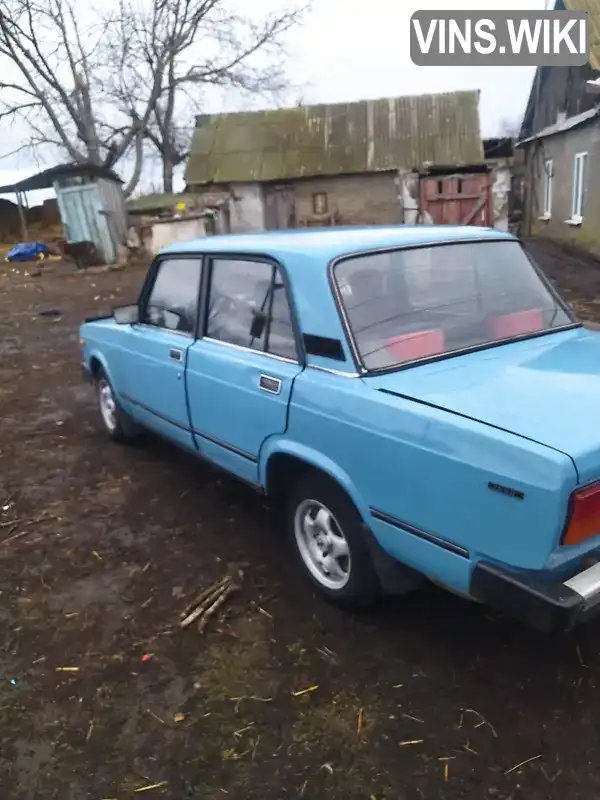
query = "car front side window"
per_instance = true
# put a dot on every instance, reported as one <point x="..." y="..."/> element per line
<point x="249" y="307"/>
<point x="173" y="299"/>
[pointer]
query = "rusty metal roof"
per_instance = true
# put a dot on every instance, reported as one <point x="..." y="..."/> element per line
<point x="593" y="11"/>
<point x="343" y="138"/>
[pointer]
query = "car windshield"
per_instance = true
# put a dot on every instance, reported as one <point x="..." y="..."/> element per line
<point x="409" y="304"/>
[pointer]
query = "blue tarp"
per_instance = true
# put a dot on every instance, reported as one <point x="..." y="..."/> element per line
<point x="27" y="251"/>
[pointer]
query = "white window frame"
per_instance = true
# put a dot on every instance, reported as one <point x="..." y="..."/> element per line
<point x="548" y="187"/>
<point x="579" y="185"/>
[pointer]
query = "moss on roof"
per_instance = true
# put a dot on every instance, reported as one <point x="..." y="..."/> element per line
<point x="343" y="138"/>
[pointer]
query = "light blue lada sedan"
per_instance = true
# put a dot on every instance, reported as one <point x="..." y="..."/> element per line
<point x="419" y="398"/>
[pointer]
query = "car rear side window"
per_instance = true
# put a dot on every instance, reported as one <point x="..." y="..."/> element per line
<point x="248" y="306"/>
<point x="410" y="304"/>
<point x="173" y="299"/>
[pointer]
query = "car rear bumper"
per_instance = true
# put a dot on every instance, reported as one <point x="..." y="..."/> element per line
<point x="550" y="606"/>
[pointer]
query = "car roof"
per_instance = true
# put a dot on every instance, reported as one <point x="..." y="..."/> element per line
<point x="325" y="244"/>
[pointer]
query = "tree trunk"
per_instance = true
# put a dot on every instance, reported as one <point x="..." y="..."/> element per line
<point x="167" y="174"/>
<point x="137" y="169"/>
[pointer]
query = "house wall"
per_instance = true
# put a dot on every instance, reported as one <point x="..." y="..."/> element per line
<point x="408" y="188"/>
<point x="241" y="205"/>
<point x="369" y="199"/>
<point x="246" y="208"/>
<point x="385" y="198"/>
<point x="162" y="233"/>
<point x="501" y="189"/>
<point x="562" y="148"/>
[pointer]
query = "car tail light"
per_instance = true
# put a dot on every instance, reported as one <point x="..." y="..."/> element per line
<point x="584" y="517"/>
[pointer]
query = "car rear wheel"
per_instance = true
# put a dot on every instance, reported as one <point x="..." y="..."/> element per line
<point x="119" y="426"/>
<point x="326" y="533"/>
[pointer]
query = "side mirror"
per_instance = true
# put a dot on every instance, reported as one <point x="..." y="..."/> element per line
<point x="258" y="325"/>
<point x="126" y="315"/>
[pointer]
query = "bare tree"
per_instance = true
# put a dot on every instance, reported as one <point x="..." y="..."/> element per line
<point x="235" y="52"/>
<point x="98" y="86"/>
<point x="59" y="79"/>
<point x="509" y="128"/>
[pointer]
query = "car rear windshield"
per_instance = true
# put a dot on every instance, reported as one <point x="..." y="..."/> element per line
<point x="409" y="304"/>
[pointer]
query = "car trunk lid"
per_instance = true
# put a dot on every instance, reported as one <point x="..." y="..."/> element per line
<point x="546" y="389"/>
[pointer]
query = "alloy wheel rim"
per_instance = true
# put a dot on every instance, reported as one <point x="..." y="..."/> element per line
<point x="108" y="406"/>
<point x="322" y="544"/>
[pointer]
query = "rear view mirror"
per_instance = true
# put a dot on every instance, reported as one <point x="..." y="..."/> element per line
<point x="126" y="315"/>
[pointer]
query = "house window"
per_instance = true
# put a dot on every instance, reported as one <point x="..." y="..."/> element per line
<point x="548" y="178"/>
<point x="579" y="185"/>
<point x="319" y="203"/>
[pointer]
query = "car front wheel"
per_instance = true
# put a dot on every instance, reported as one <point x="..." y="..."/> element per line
<point x="116" y="422"/>
<point x="326" y="532"/>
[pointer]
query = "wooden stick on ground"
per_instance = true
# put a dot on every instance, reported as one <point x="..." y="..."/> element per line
<point x="204" y="595"/>
<point x="14" y="536"/>
<point x="211" y="610"/>
<point x="206" y="603"/>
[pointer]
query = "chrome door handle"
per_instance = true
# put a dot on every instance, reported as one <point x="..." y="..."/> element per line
<point x="269" y="384"/>
<point x="176" y="355"/>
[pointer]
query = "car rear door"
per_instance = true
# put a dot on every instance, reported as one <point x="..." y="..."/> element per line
<point x="157" y="347"/>
<point x="239" y="377"/>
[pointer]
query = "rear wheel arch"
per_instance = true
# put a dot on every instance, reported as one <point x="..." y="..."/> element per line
<point x="283" y="469"/>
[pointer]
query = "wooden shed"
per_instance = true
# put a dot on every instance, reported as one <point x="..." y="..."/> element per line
<point x="91" y="203"/>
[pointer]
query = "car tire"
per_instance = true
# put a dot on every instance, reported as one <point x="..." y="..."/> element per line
<point x="324" y="525"/>
<point x="116" y="422"/>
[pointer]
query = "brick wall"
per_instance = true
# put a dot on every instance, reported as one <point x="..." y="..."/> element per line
<point x="370" y="199"/>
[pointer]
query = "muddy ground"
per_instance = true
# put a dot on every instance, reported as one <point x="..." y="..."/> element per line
<point x="101" y="547"/>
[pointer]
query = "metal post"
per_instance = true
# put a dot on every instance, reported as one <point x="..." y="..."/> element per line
<point x="22" y="217"/>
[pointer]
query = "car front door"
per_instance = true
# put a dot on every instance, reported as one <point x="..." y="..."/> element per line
<point x="158" y="345"/>
<point x="241" y="370"/>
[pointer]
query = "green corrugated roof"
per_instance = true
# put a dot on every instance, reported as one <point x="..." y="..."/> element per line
<point x="593" y="10"/>
<point x="367" y="136"/>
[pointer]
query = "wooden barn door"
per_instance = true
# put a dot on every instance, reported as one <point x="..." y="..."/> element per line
<point x="280" y="208"/>
<point x="458" y="199"/>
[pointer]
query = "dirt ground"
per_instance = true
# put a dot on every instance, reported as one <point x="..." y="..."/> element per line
<point x="102" y="546"/>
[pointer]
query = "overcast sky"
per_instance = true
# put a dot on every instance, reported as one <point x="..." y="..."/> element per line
<point x="359" y="49"/>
